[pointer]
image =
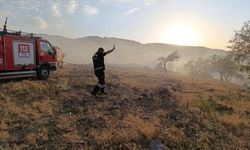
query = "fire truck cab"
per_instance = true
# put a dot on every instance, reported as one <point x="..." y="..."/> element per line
<point x="25" y="55"/>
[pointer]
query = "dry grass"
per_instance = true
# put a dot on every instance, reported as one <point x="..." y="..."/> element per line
<point x="234" y="120"/>
<point x="143" y="106"/>
<point x="175" y="135"/>
<point x="66" y="122"/>
<point x="148" y="128"/>
<point x="72" y="137"/>
<point x="239" y="105"/>
<point x="3" y="131"/>
<point x="44" y="106"/>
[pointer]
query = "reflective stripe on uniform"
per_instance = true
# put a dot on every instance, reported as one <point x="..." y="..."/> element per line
<point x="103" y="86"/>
<point x="98" y="68"/>
<point x="100" y="86"/>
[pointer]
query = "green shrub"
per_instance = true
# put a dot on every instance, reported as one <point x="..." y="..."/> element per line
<point x="206" y="104"/>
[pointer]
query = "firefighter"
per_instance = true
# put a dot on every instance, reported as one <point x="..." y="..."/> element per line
<point x="99" y="67"/>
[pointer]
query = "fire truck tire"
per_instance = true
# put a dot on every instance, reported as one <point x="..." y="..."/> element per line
<point x="43" y="73"/>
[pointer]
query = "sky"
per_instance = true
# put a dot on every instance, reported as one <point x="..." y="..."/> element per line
<point x="209" y="23"/>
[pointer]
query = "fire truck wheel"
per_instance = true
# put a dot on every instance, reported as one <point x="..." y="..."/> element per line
<point x="43" y="73"/>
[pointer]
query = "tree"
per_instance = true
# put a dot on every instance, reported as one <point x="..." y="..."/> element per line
<point x="240" y="46"/>
<point x="163" y="60"/>
<point x="198" y="68"/>
<point x="225" y="66"/>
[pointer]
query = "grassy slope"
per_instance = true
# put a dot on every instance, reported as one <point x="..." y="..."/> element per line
<point x="144" y="110"/>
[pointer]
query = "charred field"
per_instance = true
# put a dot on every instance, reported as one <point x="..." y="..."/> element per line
<point x="144" y="110"/>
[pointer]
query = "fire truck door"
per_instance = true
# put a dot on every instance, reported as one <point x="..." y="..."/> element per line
<point x="48" y="53"/>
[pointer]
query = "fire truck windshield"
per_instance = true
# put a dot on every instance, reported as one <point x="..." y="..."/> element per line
<point x="46" y="47"/>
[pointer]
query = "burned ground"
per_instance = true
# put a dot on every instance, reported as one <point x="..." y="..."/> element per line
<point x="144" y="110"/>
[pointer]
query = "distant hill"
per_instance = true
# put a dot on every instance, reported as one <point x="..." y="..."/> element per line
<point x="80" y="50"/>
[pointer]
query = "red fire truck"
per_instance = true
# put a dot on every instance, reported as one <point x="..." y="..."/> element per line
<point x="25" y="55"/>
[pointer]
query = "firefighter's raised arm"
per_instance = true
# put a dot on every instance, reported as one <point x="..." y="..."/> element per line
<point x="110" y="51"/>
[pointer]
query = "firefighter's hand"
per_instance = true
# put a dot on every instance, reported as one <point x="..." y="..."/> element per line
<point x="110" y="51"/>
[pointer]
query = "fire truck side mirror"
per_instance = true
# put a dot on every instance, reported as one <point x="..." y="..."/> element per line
<point x="54" y="51"/>
<point x="5" y="26"/>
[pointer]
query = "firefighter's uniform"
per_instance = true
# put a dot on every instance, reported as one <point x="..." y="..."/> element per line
<point x="99" y="67"/>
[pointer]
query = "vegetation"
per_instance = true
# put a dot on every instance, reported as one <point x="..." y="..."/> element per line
<point x="240" y="45"/>
<point x="164" y="60"/>
<point x="209" y="68"/>
<point x="198" y="68"/>
<point x="167" y="112"/>
<point x="225" y="66"/>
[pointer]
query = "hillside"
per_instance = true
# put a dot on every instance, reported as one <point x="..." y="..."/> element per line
<point x="128" y="52"/>
<point x="145" y="110"/>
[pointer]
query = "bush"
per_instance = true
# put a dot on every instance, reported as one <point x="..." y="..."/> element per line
<point x="206" y="104"/>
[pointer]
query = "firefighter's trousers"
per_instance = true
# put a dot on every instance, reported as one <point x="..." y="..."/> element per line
<point x="100" y="74"/>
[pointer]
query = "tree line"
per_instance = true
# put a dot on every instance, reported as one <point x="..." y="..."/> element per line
<point x="236" y="64"/>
